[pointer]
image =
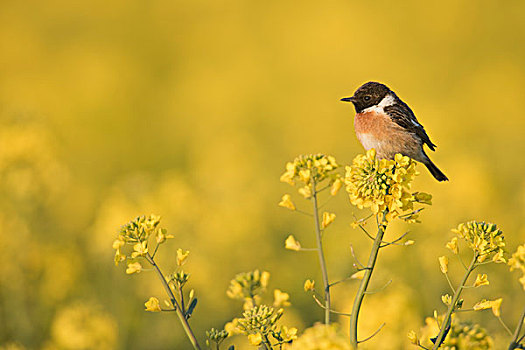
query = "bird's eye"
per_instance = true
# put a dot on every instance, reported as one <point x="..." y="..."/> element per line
<point x="367" y="98"/>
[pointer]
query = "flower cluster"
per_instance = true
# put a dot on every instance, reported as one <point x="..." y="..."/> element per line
<point x="311" y="168"/>
<point x="260" y="324"/>
<point x="485" y="239"/>
<point x="248" y="286"/>
<point x="136" y="233"/>
<point x="383" y="184"/>
<point x="465" y="335"/>
<point x="321" y="337"/>
<point x="517" y="262"/>
<point x="216" y="337"/>
<point x="462" y="335"/>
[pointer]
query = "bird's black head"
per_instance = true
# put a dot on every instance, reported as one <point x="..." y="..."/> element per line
<point x="368" y="95"/>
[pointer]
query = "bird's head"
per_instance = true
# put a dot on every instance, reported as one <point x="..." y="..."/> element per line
<point x="368" y="95"/>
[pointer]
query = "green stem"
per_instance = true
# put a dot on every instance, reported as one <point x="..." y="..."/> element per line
<point x="266" y="345"/>
<point x="358" y="301"/>
<point x="515" y="339"/>
<point x="446" y="321"/>
<point x="180" y="312"/>
<point x="322" y="261"/>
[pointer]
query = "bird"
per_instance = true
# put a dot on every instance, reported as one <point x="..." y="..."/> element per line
<point x="387" y="124"/>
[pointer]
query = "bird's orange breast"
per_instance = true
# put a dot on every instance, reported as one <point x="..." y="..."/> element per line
<point x="378" y="131"/>
<point x="373" y="123"/>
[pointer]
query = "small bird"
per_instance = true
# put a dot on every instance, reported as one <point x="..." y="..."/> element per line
<point x="388" y="125"/>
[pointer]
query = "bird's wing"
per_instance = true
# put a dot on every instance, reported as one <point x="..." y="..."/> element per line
<point x="403" y="116"/>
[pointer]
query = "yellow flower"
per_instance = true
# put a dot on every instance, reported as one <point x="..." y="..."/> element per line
<point x="453" y="245"/>
<point x="162" y="235"/>
<point x="259" y="319"/>
<point x="215" y="336"/>
<point x="286" y="202"/>
<point x="289" y="174"/>
<point x="248" y="285"/>
<point x="381" y="184"/>
<point x="255" y="339"/>
<point x="280" y="298"/>
<point x="485" y="239"/>
<point x="182" y="256"/>
<point x="321" y="337"/>
<point x="231" y="327"/>
<point x="265" y="277"/>
<point x="153" y="305"/>
<point x="462" y="335"/>
<point x="140" y="249"/>
<point x="481" y="280"/>
<point x="412" y="336"/>
<point x="446" y="299"/>
<point x="495" y="305"/>
<point x="140" y="228"/>
<point x="304" y="175"/>
<point x="328" y="218"/>
<point x="517" y="262"/>
<point x="249" y="303"/>
<point x="306" y="191"/>
<point x="482" y="305"/>
<point x="118" y="243"/>
<point x="135" y="267"/>
<point x="288" y="334"/>
<point x="358" y="275"/>
<point x="292" y="244"/>
<point x="309" y="285"/>
<point x="119" y="257"/>
<point x="336" y="186"/>
<point x="311" y="168"/>
<point x="443" y="264"/>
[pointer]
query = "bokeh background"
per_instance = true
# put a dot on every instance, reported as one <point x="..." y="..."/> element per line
<point x="190" y="110"/>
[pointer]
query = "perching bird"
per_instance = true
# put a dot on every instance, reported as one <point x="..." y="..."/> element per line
<point x="388" y="125"/>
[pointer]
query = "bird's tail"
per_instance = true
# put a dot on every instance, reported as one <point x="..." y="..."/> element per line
<point x="434" y="170"/>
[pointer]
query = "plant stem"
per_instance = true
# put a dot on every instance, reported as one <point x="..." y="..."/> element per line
<point x="443" y="330"/>
<point x="180" y="312"/>
<point x="358" y="301"/>
<point x="322" y="261"/>
<point x="515" y="339"/>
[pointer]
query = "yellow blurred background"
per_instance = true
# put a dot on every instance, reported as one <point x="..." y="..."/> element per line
<point x="190" y="110"/>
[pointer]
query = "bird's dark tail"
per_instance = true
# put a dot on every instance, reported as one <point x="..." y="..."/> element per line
<point x="434" y="170"/>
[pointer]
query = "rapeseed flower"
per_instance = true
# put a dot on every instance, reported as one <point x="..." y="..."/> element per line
<point x="383" y="185"/>
<point x="485" y="239"/>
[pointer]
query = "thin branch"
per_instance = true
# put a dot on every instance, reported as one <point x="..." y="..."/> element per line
<point x="358" y="301"/>
<point x="504" y="325"/>
<point x="380" y="289"/>
<point x="386" y="244"/>
<point x="411" y="213"/>
<point x="155" y="251"/>
<point x="516" y="340"/>
<point x="307" y="249"/>
<point x="327" y="201"/>
<point x="450" y="283"/>
<point x="373" y="334"/>
<point x="331" y="311"/>
<point x="322" y="261"/>
<point x="340" y="281"/>
<point x="461" y="260"/>
<point x="359" y="264"/>
<point x="180" y="313"/>
<point x="447" y="320"/>
<point x="366" y="232"/>
<point x="303" y="212"/>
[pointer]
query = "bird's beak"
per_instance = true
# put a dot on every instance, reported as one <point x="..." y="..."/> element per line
<point x="348" y="99"/>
